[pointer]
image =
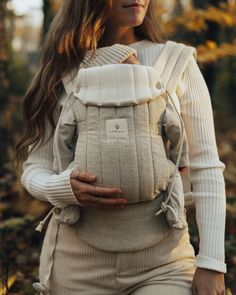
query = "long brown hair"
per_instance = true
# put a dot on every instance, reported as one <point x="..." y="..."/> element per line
<point x="77" y="27"/>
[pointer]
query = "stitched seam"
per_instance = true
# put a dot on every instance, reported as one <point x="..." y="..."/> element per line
<point x="100" y="139"/>
<point x="100" y="143"/>
<point x="118" y="88"/>
<point x="100" y="92"/>
<point x="136" y="153"/>
<point x="153" y="170"/>
<point x="118" y="141"/>
<point x="135" y="136"/>
<point x="87" y="110"/>
<point x="149" y="122"/>
<point x="134" y="90"/>
<point x="87" y="138"/>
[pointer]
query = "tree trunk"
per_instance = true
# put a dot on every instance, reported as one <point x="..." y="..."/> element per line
<point x="4" y="81"/>
<point x="200" y="3"/>
<point x="4" y="96"/>
<point x="178" y="8"/>
<point x="48" y="13"/>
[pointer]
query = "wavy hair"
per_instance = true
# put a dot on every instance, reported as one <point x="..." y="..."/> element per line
<point x="78" y="27"/>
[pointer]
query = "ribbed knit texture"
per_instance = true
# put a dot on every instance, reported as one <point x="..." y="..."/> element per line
<point x="116" y="53"/>
<point x="166" y="267"/>
<point x="205" y="167"/>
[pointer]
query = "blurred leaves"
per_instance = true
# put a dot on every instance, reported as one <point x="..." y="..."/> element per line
<point x="211" y="29"/>
<point x="212" y="52"/>
<point x="11" y="280"/>
<point x="198" y="21"/>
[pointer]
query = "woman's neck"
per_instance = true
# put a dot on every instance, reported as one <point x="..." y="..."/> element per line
<point x="121" y="35"/>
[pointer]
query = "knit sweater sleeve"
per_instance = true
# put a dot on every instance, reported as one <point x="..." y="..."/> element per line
<point x="40" y="180"/>
<point x="38" y="176"/>
<point x="205" y="168"/>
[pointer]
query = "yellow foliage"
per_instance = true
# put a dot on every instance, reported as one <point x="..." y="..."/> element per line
<point x="211" y="52"/>
<point x="211" y="44"/>
<point x="228" y="292"/>
<point x="222" y="16"/>
<point x="10" y="283"/>
<point x="196" y="19"/>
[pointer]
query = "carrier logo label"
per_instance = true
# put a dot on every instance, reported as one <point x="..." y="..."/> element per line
<point x="117" y="128"/>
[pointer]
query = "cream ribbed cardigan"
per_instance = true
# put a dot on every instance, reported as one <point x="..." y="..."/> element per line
<point x="205" y="167"/>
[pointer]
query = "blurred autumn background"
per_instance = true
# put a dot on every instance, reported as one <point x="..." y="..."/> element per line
<point x="210" y="26"/>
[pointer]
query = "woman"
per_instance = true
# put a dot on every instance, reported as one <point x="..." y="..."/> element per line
<point x="70" y="264"/>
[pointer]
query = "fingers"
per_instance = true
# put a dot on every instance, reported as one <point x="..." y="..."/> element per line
<point x="105" y="192"/>
<point x="83" y="187"/>
<point x="207" y="281"/>
<point x="102" y="191"/>
<point x="131" y="60"/>
<point x="86" y="193"/>
<point x="82" y="176"/>
<point x="90" y="200"/>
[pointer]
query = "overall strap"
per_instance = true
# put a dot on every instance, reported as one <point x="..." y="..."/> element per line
<point x="69" y="81"/>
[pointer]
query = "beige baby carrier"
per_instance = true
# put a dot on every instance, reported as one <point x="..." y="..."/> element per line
<point x="119" y="131"/>
<point x="156" y="169"/>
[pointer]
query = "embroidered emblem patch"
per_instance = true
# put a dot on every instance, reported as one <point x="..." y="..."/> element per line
<point x="117" y="128"/>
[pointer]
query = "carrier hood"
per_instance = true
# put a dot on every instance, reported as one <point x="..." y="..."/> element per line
<point x="118" y="85"/>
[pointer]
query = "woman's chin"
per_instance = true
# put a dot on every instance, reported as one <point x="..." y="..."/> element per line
<point x="135" y="21"/>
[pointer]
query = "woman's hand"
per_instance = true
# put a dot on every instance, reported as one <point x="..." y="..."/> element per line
<point x="87" y="193"/>
<point x="131" y="60"/>
<point x="208" y="282"/>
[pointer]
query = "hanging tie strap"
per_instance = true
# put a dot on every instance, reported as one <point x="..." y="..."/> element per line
<point x="40" y="288"/>
<point x="164" y="205"/>
<point x="42" y="222"/>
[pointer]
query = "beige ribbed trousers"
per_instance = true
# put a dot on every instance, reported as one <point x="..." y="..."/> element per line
<point x="165" y="268"/>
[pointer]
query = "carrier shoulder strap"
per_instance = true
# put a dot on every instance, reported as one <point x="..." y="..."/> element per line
<point x="69" y="81"/>
<point x="171" y="64"/>
<point x="69" y="84"/>
<point x="172" y="61"/>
